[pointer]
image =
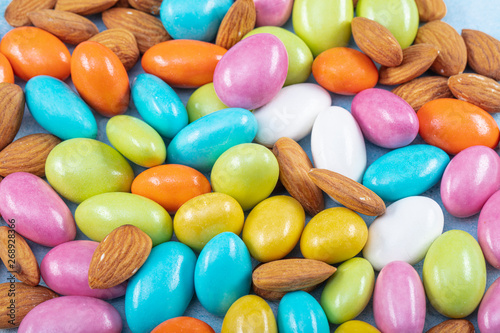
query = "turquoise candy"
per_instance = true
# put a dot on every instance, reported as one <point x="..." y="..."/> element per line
<point x="300" y="312"/>
<point x="58" y="109"/>
<point x="193" y="19"/>
<point x="162" y="288"/>
<point x="223" y="273"/>
<point x="159" y="105"/>
<point x="406" y="171"/>
<point x="199" y="144"/>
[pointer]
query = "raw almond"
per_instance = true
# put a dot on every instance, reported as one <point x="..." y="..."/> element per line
<point x="17" y="257"/>
<point x="122" y="42"/>
<point x="12" y="106"/>
<point x="69" y="27"/>
<point x="16" y="13"/>
<point x="86" y="7"/>
<point x="483" y="53"/>
<point x="377" y="42"/>
<point x="238" y="21"/>
<point x="27" y="154"/>
<point x="421" y="90"/>
<point x="452" y="57"/>
<point x="430" y="10"/>
<point x="122" y="3"/>
<point x="118" y="257"/>
<point x="476" y="89"/>
<point x="25" y="299"/>
<point x="291" y="274"/>
<point x="348" y="192"/>
<point x="416" y="60"/>
<point x="147" y="29"/>
<point x="453" y="326"/>
<point x="294" y="164"/>
<point x="148" y="6"/>
<point x="276" y="295"/>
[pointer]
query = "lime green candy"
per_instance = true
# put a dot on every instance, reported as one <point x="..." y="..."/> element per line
<point x="98" y="216"/>
<point x="348" y="290"/>
<point x="399" y="16"/>
<point x="300" y="58"/>
<point x="81" y="168"/>
<point x="203" y="101"/>
<point x="136" y="140"/>
<point x="323" y="24"/>
<point x="454" y="274"/>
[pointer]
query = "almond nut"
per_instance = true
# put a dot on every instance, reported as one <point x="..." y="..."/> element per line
<point x="453" y="326"/>
<point x="276" y="295"/>
<point x="148" y="6"/>
<point x="430" y="10"/>
<point x="238" y="21"/>
<point x="421" y="90"/>
<point x="483" y="53"/>
<point x="16" y="13"/>
<point x="122" y="42"/>
<point x="12" y="106"/>
<point x="86" y="7"/>
<point x="476" y="89"/>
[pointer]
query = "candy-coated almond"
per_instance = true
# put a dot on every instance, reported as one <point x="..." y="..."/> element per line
<point x="250" y="306"/>
<point x="6" y="72"/>
<point x="183" y="325"/>
<point x="488" y="230"/>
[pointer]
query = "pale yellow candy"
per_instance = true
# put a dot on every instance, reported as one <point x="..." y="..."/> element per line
<point x="249" y="314"/>
<point x="356" y="326"/>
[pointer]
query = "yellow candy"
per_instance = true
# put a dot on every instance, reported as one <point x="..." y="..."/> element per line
<point x="356" y="326"/>
<point x="273" y="228"/>
<point x="249" y="314"/>
<point x="334" y="235"/>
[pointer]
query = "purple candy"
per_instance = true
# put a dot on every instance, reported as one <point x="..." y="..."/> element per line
<point x="488" y="315"/>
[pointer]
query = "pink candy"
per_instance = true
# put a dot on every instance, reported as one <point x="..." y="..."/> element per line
<point x="272" y="12"/>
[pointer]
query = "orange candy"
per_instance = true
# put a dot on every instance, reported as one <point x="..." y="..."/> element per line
<point x="6" y="73"/>
<point x="344" y="71"/>
<point x="171" y="185"/>
<point x="454" y="125"/>
<point x="32" y="51"/>
<point x="183" y="325"/>
<point x="100" y="78"/>
<point x="183" y="63"/>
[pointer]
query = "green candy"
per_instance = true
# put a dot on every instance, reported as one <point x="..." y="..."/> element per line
<point x="348" y="290"/>
<point x="98" y="216"/>
<point x="136" y="140"/>
<point x="300" y="58"/>
<point x="454" y="274"/>
<point x="399" y="16"/>
<point x="203" y="101"/>
<point x="81" y="168"/>
<point x="323" y="24"/>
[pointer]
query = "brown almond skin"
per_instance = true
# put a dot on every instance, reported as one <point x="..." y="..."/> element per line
<point x="430" y="10"/>
<point x="417" y="59"/>
<point x="453" y="326"/>
<point x="476" y="89"/>
<point x="294" y="164"/>
<point x="69" y="27"/>
<point x="119" y="256"/>
<point x="16" y="13"/>
<point x="12" y="106"/>
<point x="122" y="4"/>
<point x="238" y="21"/>
<point x="421" y="90"/>
<point x="86" y="7"/>
<point x="148" y="6"/>
<point x="377" y="42"/>
<point x="276" y="295"/>
<point x="25" y="299"/>
<point x="483" y="53"/>
<point x="348" y="192"/>
<point x="21" y="262"/>
<point x="27" y="154"/>
<point x="123" y="43"/>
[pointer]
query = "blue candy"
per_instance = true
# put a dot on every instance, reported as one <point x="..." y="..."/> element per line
<point x="299" y="312"/>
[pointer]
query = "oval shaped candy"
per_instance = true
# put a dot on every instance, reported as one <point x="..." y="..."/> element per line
<point x="162" y="288"/>
<point x="488" y="315"/>
<point x="183" y="63"/>
<point x="32" y="51"/>
<point x="35" y="210"/>
<point x="48" y="99"/>
<point x="454" y="274"/>
<point x="272" y="12"/>
<point x="399" y="299"/>
<point x="200" y="144"/>
<point x="183" y="325"/>
<point x="250" y="307"/>
<point x="348" y="290"/>
<point x="406" y="171"/>
<point x="291" y="113"/>
<point x="6" y="72"/>
<point x="470" y="179"/>
<point x="356" y="326"/>
<point x="223" y="273"/>
<point x="81" y="168"/>
<point x="83" y="314"/>
<point x="252" y="72"/>
<point x="299" y="312"/>
<point x="65" y="269"/>
<point x="488" y="230"/>
<point x="99" y="215"/>
<point x="100" y="78"/>
<point x="454" y="125"/>
<point x="337" y="143"/>
<point x="391" y="237"/>
<point x="203" y="101"/>
<point x="159" y="105"/>
<point x="385" y="119"/>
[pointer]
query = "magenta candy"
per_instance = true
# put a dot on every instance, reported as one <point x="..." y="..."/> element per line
<point x="469" y="180"/>
<point x="65" y="269"/>
<point x="252" y="72"/>
<point x="488" y="230"/>
<point x="39" y="213"/>
<point x="272" y="12"/>
<point x="399" y="299"/>
<point x="75" y="314"/>
<point x="385" y="119"/>
<point x="488" y="315"/>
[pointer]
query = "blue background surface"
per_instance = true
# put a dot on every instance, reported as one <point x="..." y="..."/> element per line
<point x="482" y="15"/>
